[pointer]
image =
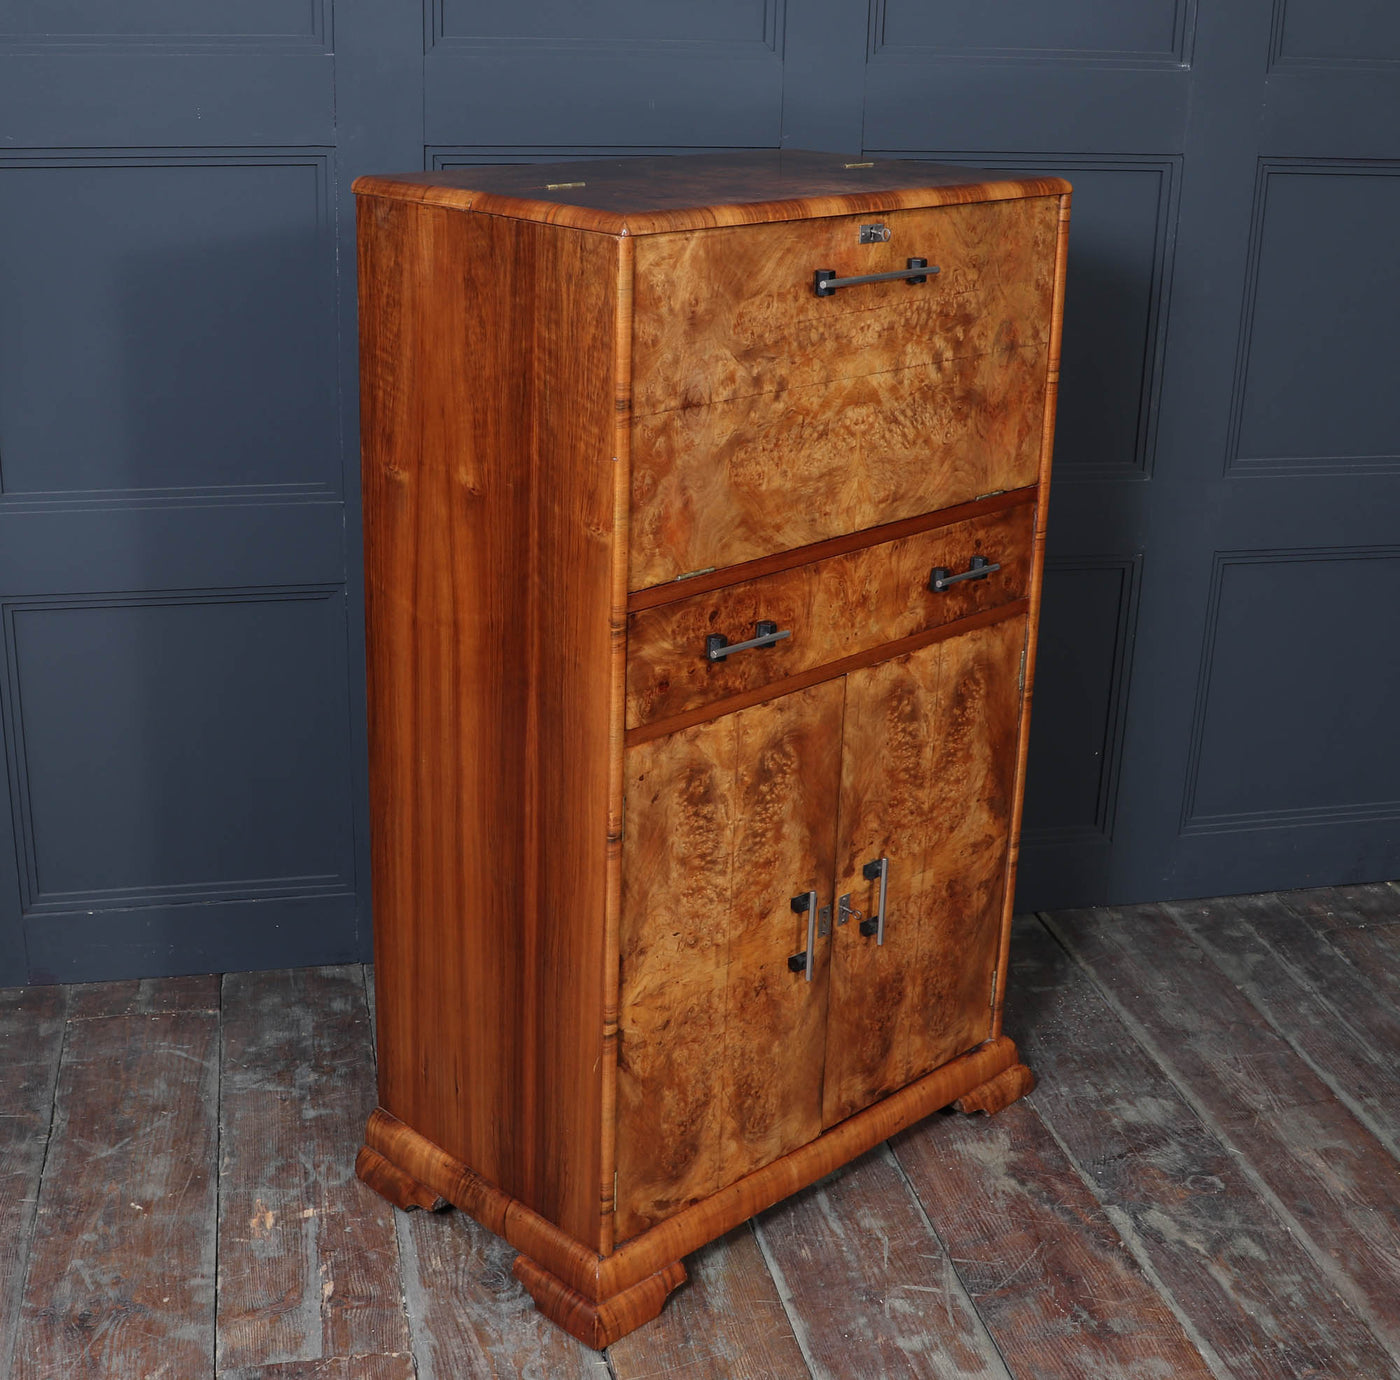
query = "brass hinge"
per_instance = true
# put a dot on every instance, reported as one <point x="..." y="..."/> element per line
<point x="993" y="1001"/>
<point x="1021" y="674"/>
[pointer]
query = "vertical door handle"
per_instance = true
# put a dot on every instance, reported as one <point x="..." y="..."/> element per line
<point x="806" y="904"/>
<point x="876" y="923"/>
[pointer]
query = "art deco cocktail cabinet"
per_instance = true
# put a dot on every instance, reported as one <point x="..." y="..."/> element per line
<point x="704" y="507"/>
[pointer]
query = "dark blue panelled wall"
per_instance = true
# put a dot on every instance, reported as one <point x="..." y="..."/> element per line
<point x="181" y="658"/>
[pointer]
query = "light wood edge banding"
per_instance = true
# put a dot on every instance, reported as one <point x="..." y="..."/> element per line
<point x="704" y="217"/>
<point x="597" y="1277"/>
<point x="884" y="651"/>
<point x="673" y="591"/>
<point x="1047" y="442"/>
<point x="617" y="718"/>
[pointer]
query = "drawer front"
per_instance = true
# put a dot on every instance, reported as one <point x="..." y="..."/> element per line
<point x="767" y="418"/>
<point x="832" y="608"/>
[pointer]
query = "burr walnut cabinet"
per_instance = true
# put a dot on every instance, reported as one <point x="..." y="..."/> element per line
<point x="704" y="507"/>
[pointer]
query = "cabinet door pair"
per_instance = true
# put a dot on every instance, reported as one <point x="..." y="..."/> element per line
<point x="730" y="1054"/>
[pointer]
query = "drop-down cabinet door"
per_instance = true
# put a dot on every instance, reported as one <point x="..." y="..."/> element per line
<point x="721" y="1040"/>
<point x="927" y="777"/>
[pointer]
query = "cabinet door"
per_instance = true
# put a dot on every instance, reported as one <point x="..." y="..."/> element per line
<point x="928" y="767"/>
<point x="721" y="1043"/>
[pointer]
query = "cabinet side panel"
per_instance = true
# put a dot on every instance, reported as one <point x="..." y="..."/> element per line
<point x="486" y="355"/>
<point x="1047" y="444"/>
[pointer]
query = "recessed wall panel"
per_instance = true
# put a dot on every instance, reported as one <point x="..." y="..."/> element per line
<point x="1093" y="27"/>
<point x="138" y="21"/>
<point x="1296" y="712"/>
<point x="184" y="748"/>
<point x="566" y="21"/>
<point x="166" y="322"/>
<point x="1080" y="686"/>
<point x="1315" y="388"/>
<point x="1327" y="32"/>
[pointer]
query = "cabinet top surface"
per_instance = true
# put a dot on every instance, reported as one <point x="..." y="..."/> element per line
<point x="638" y="196"/>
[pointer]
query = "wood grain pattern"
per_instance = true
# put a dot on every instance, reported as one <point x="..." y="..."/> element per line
<point x="31" y="1040"/>
<point x="638" y="196"/>
<point x="833" y="608"/>
<point x="143" y="996"/>
<point x="1256" y="1300"/>
<point x="998" y="1093"/>
<point x="728" y="1323"/>
<point x="391" y="1183"/>
<point x="598" y="1277"/>
<point x="727" y="822"/>
<point x="725" y="314"/>
<point x="704" y="581"/>
<point x="869" y="1278"/>
<point x="488" y="425"/>
<point x="470" y="1318"/>
<point x="120" y="1281"/>
<point x="1051" y="1279"/>
<point x="598" y="1323"/>
<point x="1306" y="990"/>
<point x="398" y="1367"/>
<point x="871" y="656"/>
<point x="1042" y="515"/>
<point x="928" y="758"/>
<point x="1333" y="1178"/>
<point x="730" y="481"/>
<point x="287" y="1190"/>
<point x="1362" y="923"/>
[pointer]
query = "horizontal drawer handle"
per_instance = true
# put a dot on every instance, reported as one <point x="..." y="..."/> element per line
<point x="978" y="568"/>
<point x="825" y="282"/>
<point x="718" y="646"/>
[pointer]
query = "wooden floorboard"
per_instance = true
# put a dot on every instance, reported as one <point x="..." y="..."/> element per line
<point x="1239" y="1278"/>
<point x="1332" y="1181"/>
<point x="1204" y="1184"/>
<point x="120" y="1279"/>
<point x="727" y="1322"/>
<point x="31" y="1040"/>
<point x="308" y="1259"/>
<point x="1052" y="1280"/>
<point x="471" y="1320"/>
<point x="864" y="1275"/>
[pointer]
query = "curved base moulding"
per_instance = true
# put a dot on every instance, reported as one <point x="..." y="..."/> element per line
<point x="600" y="1298"/>
<point x="389" y="1181"/>
<point x="1007" y="1087"/>
<point x="602" y="1323"/>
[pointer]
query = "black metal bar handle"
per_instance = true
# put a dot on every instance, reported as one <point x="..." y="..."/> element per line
<point x="978" y="568"/>
<point x="825" y="282"/>
<point x="718" y="646"/>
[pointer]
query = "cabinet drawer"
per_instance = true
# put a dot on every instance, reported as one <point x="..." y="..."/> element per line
<point x="768" y="418"/>
<point x="830" y="608"/>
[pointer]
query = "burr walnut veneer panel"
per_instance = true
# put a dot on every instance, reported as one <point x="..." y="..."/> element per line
<point x="621" y="1007"/>
<point x="833" y="608"/>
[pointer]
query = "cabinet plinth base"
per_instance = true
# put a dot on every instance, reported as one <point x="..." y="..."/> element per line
<point x="996" y="1093"/>
<point x="389" y="1181"/>
<point x="599" y="1298"/>
<point x="598" y="1324"/>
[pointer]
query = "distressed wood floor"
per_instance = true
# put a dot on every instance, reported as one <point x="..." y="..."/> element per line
<point x="1205" y="1184"/>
